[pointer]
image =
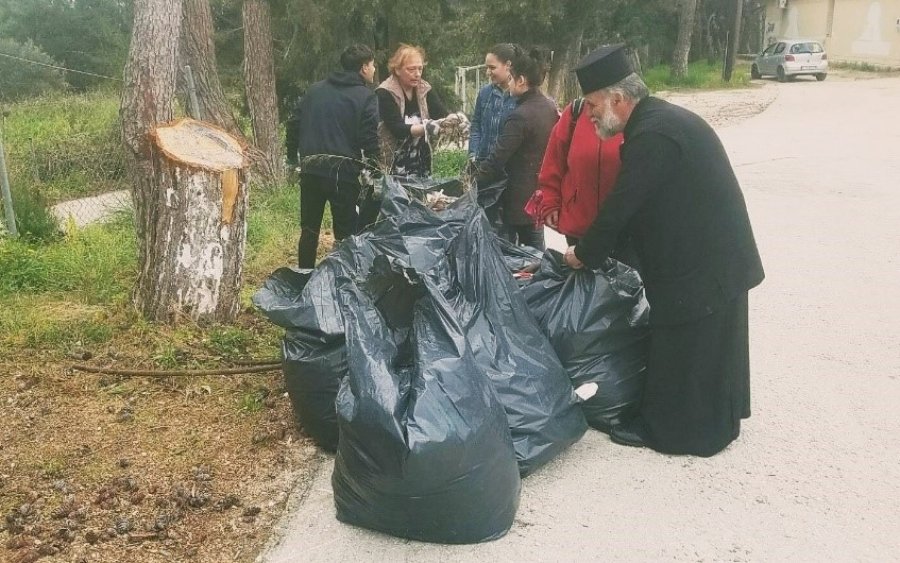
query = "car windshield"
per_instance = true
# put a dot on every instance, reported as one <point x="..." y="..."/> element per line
<point x="810" y="47"/>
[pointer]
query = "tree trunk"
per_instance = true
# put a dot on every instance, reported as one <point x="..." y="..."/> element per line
<point x="187" y="267"/>
<point x="563" y="61"/>
<point x="259" y="84"/>
<point x="198" y="50"/>
<point x="734" y="43"/>
<point x="683" y="44"/>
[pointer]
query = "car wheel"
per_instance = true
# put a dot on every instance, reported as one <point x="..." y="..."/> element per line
<point x="754" y="72"/>
<point x="780" y="74"/>
<point x="821" y="76"/>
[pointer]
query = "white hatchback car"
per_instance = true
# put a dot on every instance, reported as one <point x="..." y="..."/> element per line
<point x="788" y="58"/>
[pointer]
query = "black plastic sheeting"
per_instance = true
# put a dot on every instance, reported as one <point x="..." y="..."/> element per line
<point x="597" y="323"/>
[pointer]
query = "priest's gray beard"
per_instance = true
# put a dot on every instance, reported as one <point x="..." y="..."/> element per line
<point x="609" y="125"/>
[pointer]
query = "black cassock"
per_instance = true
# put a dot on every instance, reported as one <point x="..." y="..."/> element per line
<point x="679" y="203"/>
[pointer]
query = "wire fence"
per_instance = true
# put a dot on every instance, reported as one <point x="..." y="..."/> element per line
<point x="63" y="165"/>
<point x="64" y="162"/>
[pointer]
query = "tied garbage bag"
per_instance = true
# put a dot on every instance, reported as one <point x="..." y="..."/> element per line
<point x="597" y="323"/>
<point x="313" y="357"/>
<point x="526" y="373"/>
<point x="305" y="304"/>
<point x="425" y="451"/>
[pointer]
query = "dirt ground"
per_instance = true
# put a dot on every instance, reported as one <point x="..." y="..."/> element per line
<point x="104" y="468"/>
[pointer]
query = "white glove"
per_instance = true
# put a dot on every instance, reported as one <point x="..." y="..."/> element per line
<point x="432" y="128"/>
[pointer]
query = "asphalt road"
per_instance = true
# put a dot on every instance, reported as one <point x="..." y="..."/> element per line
<point x="815" y="475"/>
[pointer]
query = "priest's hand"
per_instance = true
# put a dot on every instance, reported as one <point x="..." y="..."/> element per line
<point x="573" y="260"/>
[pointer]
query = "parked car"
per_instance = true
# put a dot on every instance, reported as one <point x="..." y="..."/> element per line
<point x="788" y="58"/>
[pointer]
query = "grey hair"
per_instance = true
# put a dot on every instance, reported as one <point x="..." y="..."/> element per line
<point x="631" y="87"/>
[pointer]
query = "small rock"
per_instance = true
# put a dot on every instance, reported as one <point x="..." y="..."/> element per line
<point x="62" y="486"/>
<point x="91" y="536"/>
<point x="124" y="463"/>
<point x="250" y="513"/>
<point x="202" y="473"/>
<point x="66" y="534"/>
<point x="126" y="414"/>
<point x="123" y="525"/>
<point x="79" y="515"/>
<point x="137" y="497"/>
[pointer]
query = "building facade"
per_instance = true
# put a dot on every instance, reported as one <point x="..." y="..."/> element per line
<point x="855" y="31"/>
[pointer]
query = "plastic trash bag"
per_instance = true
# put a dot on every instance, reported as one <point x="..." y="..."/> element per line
<point x="597" y="323"/>
<point x="305" y="303"/>
<point x="532" y="384"/>
<point x="425" y="450"/>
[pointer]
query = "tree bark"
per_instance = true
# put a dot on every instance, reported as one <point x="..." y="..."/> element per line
<point x="683" y="43"/>
<point x="259" y="84"/>
<point x="735" y="41"/>
<point x="198" y="50"/>
<point x="563" y="61"/>
<point x="189" y="257"/>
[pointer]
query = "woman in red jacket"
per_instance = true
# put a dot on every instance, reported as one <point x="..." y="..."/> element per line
<point x="577" y="173"/>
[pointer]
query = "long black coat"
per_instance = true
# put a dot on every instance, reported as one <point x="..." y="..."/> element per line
<point x="519" y="152"/>
<point x="679" y="201"/>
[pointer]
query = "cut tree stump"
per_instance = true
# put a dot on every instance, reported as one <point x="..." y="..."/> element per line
<point x="195" y="225"/>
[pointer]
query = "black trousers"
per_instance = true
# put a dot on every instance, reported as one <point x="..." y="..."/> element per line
<point x="315" y="191"/>
<point x="524" y="235"/>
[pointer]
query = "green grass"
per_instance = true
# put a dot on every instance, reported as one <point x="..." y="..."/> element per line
<point x="65" y="145"/>
<point x="701" y="76"/>
<point x="449" y="162"/>
<point x="96" y="264"/>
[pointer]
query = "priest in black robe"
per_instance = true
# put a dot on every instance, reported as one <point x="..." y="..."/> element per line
<point x="678" y="202"/>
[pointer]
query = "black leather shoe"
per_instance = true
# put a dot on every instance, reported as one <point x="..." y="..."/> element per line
<point x="631" y="433"/>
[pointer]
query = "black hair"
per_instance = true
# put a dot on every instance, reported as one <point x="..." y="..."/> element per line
<point x="503" y="51"/>
<point x="355" y="56"/>
<point x="528" y="63"/>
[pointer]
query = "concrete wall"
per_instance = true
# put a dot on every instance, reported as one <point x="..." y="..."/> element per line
<point x="862" y="31"/>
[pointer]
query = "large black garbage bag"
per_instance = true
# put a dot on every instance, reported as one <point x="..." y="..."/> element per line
<point x="305" y="302"/>
<point x="312" y="369"/>
<point x="530" y="381"/>
<point x="597" y="323"/>
<point x="313" y="357"/>
<point x="425" y="451"/>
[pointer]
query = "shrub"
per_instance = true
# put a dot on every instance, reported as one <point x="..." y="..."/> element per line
<point x="34" y="219"/>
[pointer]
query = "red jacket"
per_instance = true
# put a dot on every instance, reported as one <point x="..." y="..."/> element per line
<point x="577" y="186"/>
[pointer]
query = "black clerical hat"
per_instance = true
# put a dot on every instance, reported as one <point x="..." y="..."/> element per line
<point x="603" y="67"/>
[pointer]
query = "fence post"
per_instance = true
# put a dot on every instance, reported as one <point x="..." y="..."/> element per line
<point x="192" y="93"/>
<point x="7" y="195"/>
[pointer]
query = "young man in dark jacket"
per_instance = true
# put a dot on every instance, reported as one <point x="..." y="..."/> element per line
<point x="679" y="200"/>
<point x="333" y="129"/>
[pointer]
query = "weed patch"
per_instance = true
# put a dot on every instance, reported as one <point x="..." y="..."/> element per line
<point x="701" y="75"/>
